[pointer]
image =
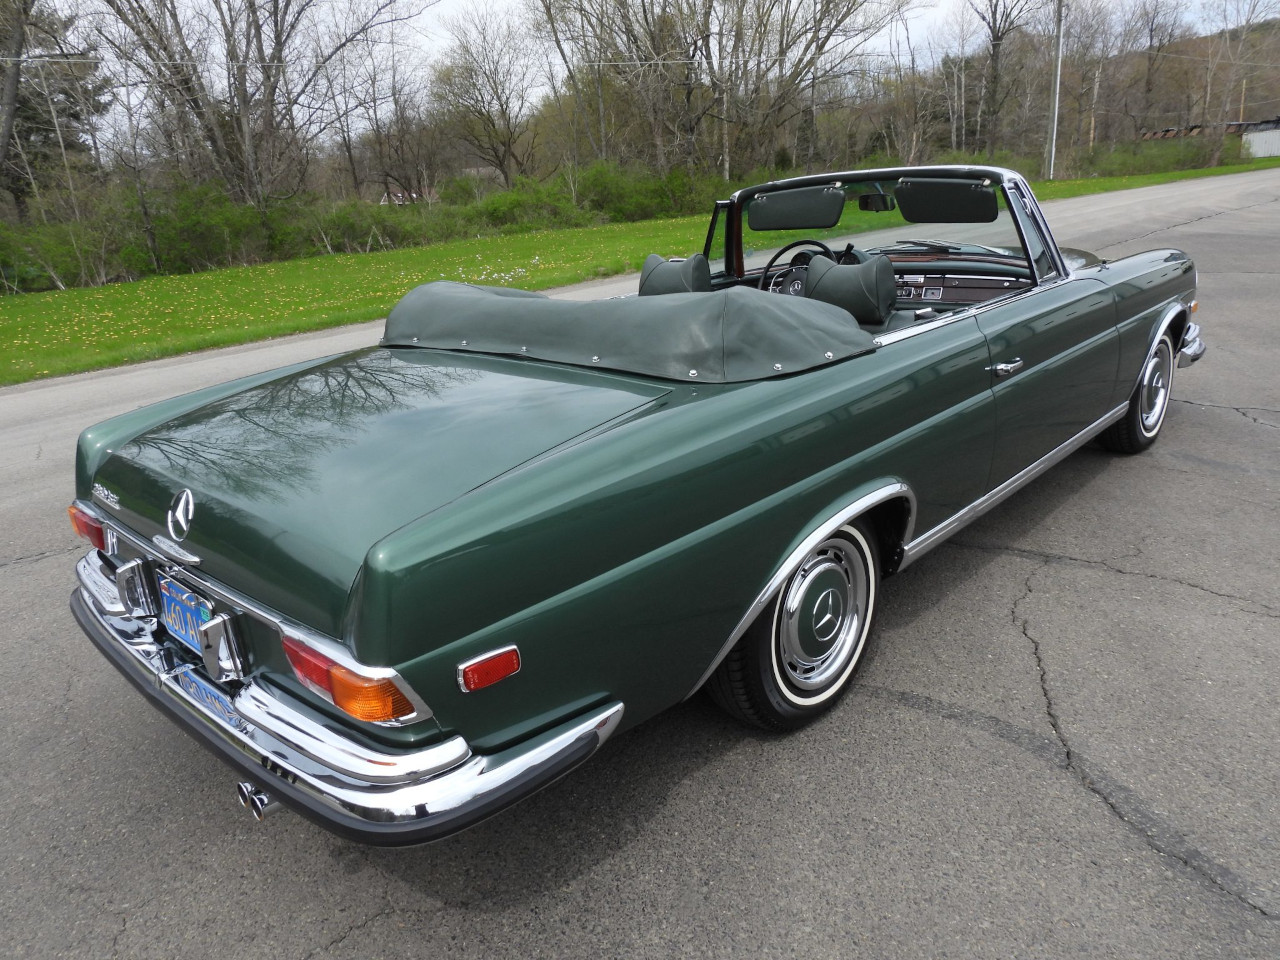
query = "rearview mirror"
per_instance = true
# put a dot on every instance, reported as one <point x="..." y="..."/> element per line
<point x="805" y="208"/>
<point x="926" y="200"/>
<point x="875" y="202"/>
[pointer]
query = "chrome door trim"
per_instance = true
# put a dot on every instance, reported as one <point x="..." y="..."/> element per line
<point x="851" y="511"/>
<point x="923" y="544"/>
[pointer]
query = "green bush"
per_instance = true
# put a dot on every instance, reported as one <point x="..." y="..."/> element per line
<point x="532" y="204"/>
<point x="198" y="226"/>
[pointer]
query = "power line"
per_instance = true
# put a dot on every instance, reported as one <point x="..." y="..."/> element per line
<point x="159" y="63"/>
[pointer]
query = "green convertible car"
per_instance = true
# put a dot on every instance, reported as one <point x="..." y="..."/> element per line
<point x="399" y="589"/>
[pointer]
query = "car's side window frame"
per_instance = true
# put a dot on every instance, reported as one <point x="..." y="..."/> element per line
<point x="1042" y="253"/>
<point x="720" y="220"/>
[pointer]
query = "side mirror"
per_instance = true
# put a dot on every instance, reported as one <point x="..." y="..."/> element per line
<point x="876" y="202"/>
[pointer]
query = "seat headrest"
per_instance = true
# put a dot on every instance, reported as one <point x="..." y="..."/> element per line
<point x="866" y="290"/>
<point x="675" y="276"/>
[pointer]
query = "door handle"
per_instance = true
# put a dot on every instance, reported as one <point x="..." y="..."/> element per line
<point x="1004" y="369"/>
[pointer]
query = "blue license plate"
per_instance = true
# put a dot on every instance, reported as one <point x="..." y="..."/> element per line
<point x="183" y="613"/>
<point x="208" y="696"/>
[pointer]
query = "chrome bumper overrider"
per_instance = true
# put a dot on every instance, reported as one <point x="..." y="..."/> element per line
<point x="1192" y="348"/>
<point x="380" y="797"/>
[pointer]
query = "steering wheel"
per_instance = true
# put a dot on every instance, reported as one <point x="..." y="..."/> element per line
<point x="764" y="277"/>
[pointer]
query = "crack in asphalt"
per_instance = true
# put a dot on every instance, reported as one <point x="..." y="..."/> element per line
<point x="1263" y="609"/>
<point x="350" y="929"/>
<point x="1159" y="836"/>
<point x="1121" y="801"/>
<point x="36" y="557"/>
<point x="115" y="940"/>
<point x="1183" y="223"/>
<point x="1243" y="411"/>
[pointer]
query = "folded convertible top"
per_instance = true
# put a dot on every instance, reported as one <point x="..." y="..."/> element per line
<point x="729" y="336"/>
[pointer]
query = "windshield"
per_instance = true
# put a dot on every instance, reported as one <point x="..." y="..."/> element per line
<point x="888" y="232"/>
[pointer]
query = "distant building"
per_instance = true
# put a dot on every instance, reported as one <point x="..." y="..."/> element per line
<point x="1261" y="137"/>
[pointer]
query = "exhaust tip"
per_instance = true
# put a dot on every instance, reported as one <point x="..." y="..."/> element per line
<point x="257" y="801"/>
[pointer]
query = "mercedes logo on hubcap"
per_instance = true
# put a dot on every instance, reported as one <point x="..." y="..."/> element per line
<point x="827" y="613"/>
<point x="180" y="513"/>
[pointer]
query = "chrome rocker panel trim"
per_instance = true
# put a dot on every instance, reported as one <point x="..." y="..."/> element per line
<point x="926" y="542"/>
<point x="386" y="798"/>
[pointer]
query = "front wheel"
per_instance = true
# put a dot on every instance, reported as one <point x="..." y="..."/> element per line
<point x="799" y="656"/>
<point x="1141" y="423"/>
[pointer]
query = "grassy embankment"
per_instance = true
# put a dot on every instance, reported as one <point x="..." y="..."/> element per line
<point x="70" y="331"/>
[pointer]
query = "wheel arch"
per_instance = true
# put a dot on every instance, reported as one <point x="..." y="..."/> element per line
<point x="889" y="506"/>
<point x="1174" y="322"/>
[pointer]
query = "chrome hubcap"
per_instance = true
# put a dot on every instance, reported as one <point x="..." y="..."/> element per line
<point x="821" y="618"/>
<point x="1153" y="398"/>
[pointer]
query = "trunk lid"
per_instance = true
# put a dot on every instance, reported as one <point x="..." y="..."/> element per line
<point x="295" y="479"/>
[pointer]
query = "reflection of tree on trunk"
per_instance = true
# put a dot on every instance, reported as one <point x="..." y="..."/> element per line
<point x="264" y="442"/>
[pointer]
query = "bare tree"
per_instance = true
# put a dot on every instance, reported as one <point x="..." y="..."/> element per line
<point x="709" y="80"/>
<point x="1231" y="60"/>
<point x="250" y="76"/>
<point x="1001" y="19"/>
<point x="489" y="79"/>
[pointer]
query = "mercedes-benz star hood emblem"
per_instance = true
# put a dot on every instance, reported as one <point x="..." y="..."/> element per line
<point x="180" y="514"/>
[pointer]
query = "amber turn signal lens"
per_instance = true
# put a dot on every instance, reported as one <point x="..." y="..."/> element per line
<point x="366" y="699"/>
<point x="87" y="527"/>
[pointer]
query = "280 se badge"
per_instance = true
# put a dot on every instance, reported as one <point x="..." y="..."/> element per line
<point x="398" y="590"/>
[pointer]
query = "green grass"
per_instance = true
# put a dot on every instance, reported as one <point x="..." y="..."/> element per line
<point x="49" y="334"/>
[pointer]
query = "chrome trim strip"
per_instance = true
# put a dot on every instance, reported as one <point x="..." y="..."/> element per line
<point x="917" y="548"/>
<point x="325" y="743"/>
<point x="353" y="787"/>
<point x="462" y="667"/>
<point x="964" y="313"/>
<point x="851" y="511"/>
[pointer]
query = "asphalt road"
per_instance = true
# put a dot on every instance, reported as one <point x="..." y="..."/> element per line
<point x="1064" y="742"/>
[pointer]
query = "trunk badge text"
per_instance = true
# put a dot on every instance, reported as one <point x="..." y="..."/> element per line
<point x="180" y="515"/>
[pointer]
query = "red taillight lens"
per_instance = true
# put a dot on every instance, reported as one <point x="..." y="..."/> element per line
<point x="86" y="526"/>
<point x="375" y="699"/>
<point x="311" y="667"/>
<point x="489" y="670"/>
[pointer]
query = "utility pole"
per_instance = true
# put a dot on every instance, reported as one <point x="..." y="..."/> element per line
<point x="1057" y="85"/>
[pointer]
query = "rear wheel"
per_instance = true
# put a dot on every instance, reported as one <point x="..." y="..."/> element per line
<point x="1141" y="423"/>
<point x="799" y="656"/>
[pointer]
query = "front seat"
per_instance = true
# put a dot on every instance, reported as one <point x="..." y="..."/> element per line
<point x="675" y="276"/>
<point x="866" y="290"/>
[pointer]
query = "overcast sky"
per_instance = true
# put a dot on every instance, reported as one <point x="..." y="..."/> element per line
<point x="430" y="24"/>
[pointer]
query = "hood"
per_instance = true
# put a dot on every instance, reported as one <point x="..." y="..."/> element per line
<point x="295" y="479"/>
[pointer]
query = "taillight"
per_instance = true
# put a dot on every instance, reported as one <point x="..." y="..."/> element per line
<point x="375" y="697"/>
<point x="87" y="526"/>
<point x="487" y="670"/>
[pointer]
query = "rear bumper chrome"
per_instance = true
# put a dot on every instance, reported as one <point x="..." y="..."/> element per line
<point x="1192" y="348"/>
<point x="386" y="798"/>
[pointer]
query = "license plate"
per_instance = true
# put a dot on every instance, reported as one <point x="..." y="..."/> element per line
<point x="208" y="696"/>
<point x="183" y="612"/>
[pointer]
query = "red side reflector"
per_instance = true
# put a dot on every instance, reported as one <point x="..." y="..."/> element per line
<point x="488" y="670"/>
<point x="87" y="527"/>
